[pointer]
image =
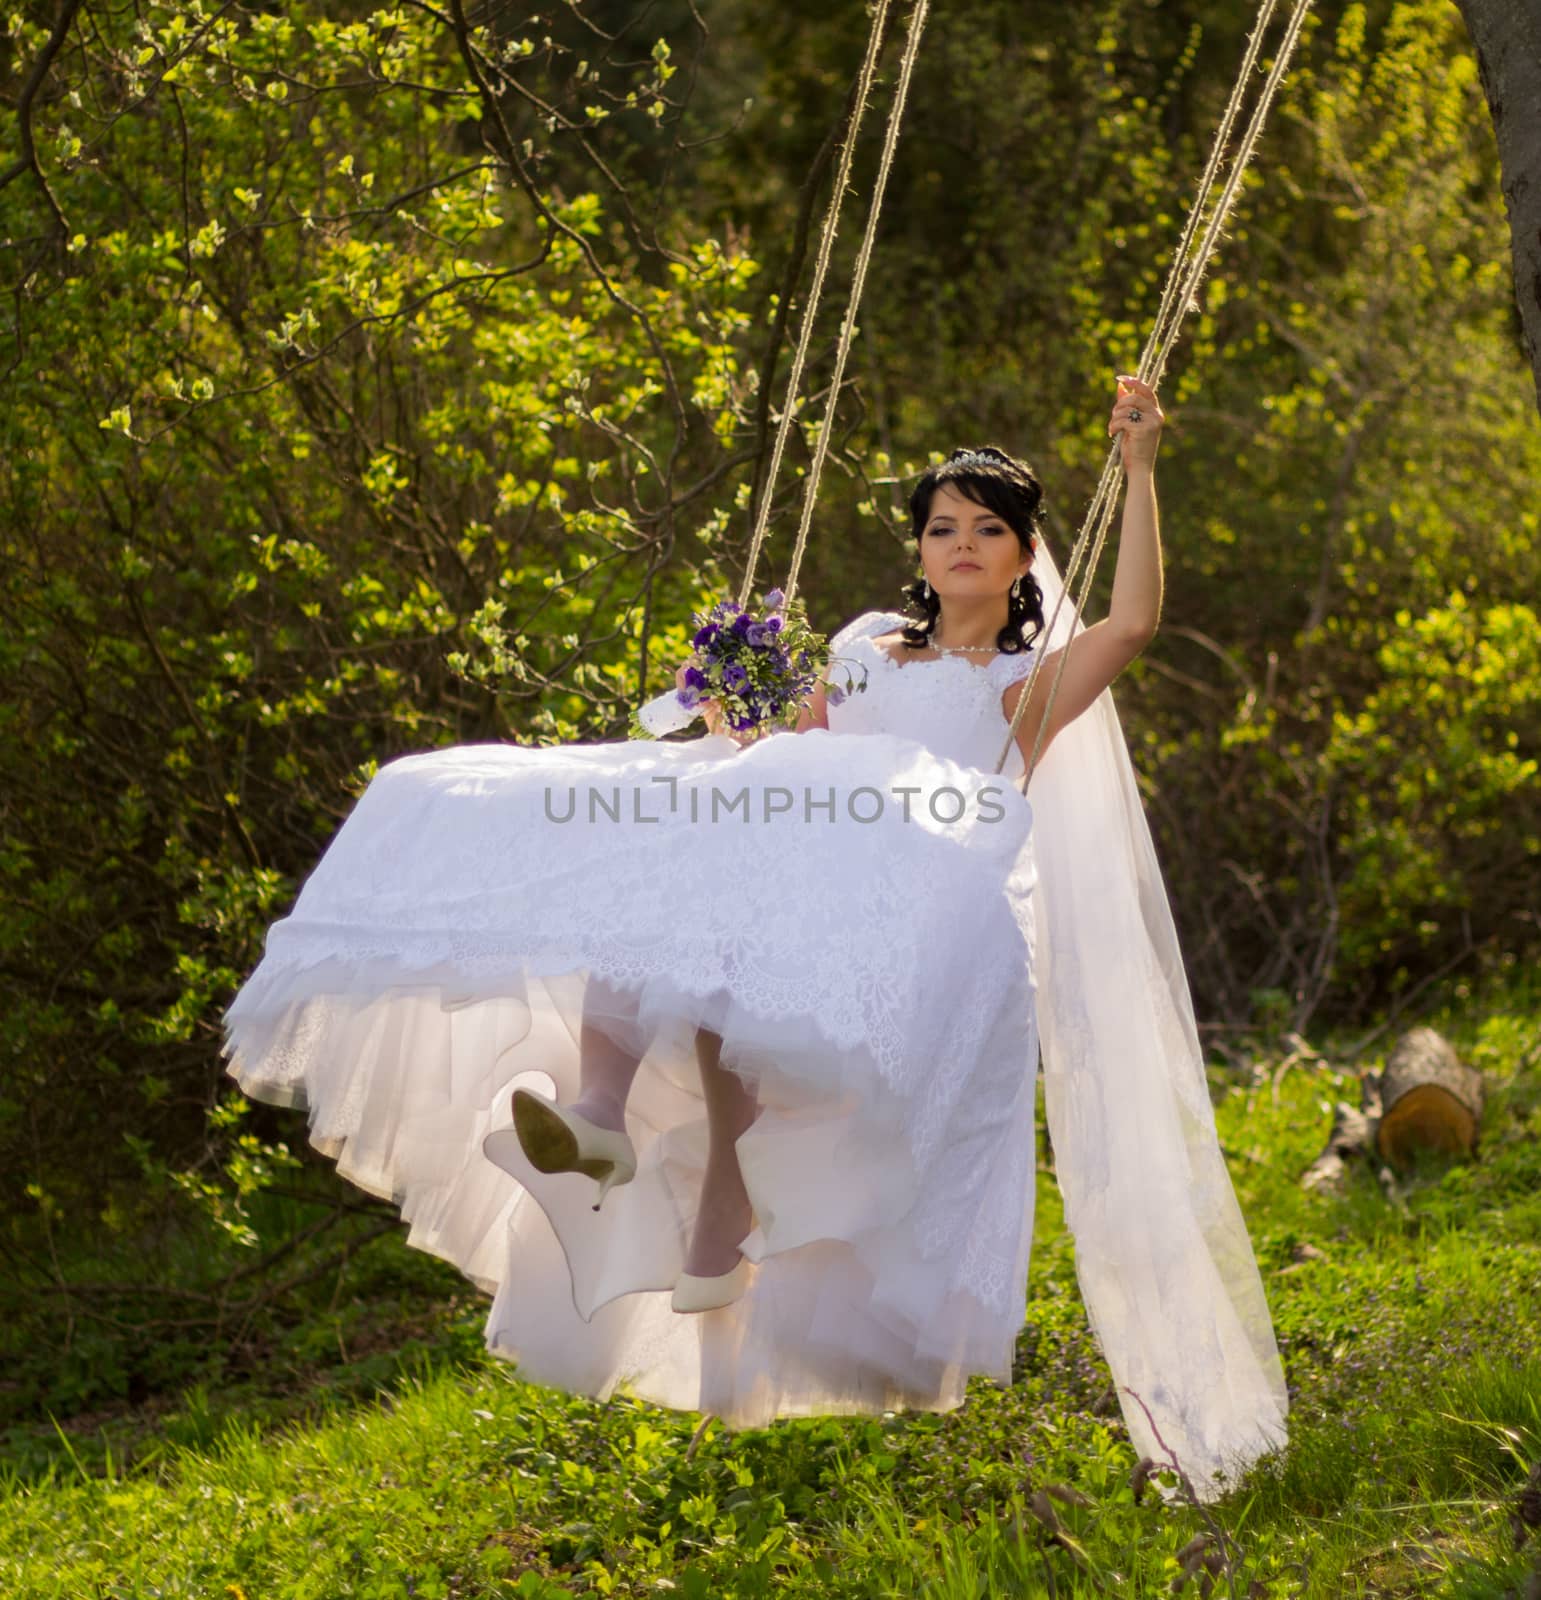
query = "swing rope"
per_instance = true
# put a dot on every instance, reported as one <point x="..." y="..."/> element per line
<point x="858" y="284"/>
<point x="815" y="291"/>
<point x="1176" y="302"/>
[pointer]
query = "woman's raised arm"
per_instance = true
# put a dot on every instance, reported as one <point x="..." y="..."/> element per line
<point x="1097" y="654"/>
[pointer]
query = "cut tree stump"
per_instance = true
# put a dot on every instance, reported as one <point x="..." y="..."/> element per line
<point x="1430" y="1099"/>
<point x="1425" y="1099"/>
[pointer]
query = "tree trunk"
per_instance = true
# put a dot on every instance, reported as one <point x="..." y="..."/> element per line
<point x="1507" y="37"/>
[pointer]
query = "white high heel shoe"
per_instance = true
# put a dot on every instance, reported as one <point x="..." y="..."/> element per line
<point x="559" y="1139"/>
<point x="693" y="1292"/>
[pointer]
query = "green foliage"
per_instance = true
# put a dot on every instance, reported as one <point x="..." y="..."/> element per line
<point x="337" y="433"/>
<point x="1442" y="808"/>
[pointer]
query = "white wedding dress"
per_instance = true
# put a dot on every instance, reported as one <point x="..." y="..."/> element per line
<point x="856" y="914"/>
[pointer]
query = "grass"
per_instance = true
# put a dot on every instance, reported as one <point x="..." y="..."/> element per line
<point x="375" y="1450"/>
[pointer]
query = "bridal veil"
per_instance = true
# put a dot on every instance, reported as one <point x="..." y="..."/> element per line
<point x="1162" y="1254"/>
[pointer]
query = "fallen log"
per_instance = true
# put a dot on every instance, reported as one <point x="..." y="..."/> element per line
<point x="1430" y="1099"/>
<point x="1426" y="1098"/>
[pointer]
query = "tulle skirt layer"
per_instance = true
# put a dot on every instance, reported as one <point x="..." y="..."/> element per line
<point x="852" y="915"/>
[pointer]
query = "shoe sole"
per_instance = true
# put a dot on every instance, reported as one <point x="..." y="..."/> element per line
<point x="548" y="1141"/>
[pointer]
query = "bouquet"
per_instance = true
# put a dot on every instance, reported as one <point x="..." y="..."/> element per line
<point x="760" y="668"/>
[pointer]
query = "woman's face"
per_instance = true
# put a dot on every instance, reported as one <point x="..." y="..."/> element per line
<point x="967" y="550"/>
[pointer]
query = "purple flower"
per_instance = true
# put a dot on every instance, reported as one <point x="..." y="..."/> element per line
<point x="774" y="599"/>
<point x="802" y="658"/>
<point x="774" y="625"/>
<point x="689" y="698"/>
<point x="734" y="676"/>
<point x="834" y="694"/>
<point x="695" y="678"/>
<point x="754" y="635"/>
<point x="705" y="635"/>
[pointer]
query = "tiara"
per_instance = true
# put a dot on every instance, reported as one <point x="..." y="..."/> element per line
<point x="977" y="458"/>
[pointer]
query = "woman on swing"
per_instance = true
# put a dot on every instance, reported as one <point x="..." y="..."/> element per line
<point x="797" y="1050"/>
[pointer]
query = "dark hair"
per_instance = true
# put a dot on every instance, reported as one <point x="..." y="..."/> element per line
<point x="1008" y="487"/>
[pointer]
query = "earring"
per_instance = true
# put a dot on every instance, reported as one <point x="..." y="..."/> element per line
<point x="928" y="589"/>
<point x="1016" y="587"/>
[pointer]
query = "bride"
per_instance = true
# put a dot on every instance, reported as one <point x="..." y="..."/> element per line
<point x="714" y="1061"/>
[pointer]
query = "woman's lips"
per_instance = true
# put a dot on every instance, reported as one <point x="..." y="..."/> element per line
<point x="960" y="566"/>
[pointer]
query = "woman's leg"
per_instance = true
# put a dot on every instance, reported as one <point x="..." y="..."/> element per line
<point x="725" y="1216"/>
<point x="605" y="1068"/>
